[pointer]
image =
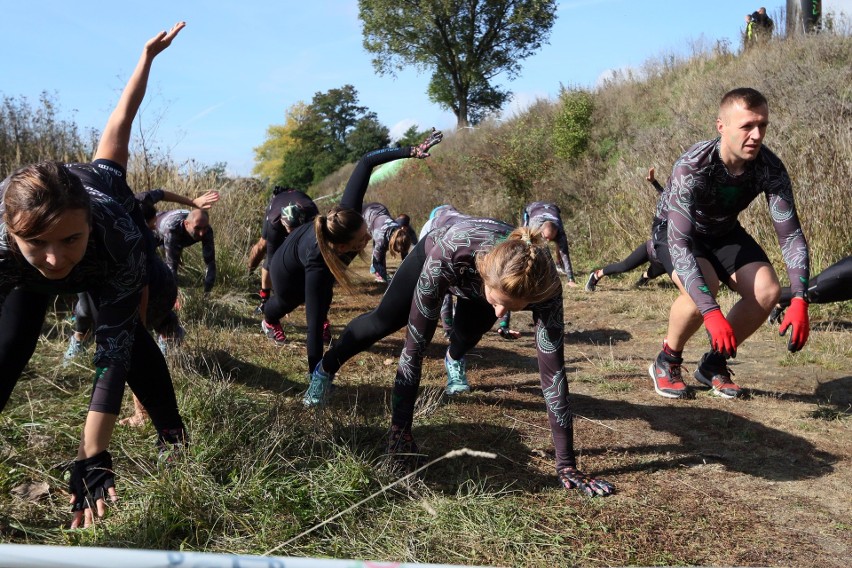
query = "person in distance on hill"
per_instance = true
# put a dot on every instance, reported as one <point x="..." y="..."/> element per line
<point x="547" y="218"/>
<point x="763" y="26"/>
<point x="62" y="231"/>
<point x="315" y="256"/>
<point x="491" y="269"/>
<point x="834" y="284"/>
<point x="700" y="242"/>
<point x="640" y="255"/>
<point x="388" y="235"/>
<point x="288" y="209"/>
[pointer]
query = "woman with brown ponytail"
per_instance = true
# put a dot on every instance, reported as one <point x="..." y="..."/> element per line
<point x="315" y="255"/>
<point x="491" y="269"/>
<point x="389" y="235"/>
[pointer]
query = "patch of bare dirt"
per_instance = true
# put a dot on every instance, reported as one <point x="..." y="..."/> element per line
<point x="757" y="481"/>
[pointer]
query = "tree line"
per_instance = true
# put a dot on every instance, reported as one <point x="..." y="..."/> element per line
<point x="464" y="44"/>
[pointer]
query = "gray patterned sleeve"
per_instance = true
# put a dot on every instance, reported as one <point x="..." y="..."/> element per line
<point x="550" y="345"/>
<point x="794" y="247"/>
<point x="684" y="184"/>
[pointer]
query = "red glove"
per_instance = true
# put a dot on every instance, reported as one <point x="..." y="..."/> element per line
<point x="722" y="337"/>
<point x="797" y="316"/>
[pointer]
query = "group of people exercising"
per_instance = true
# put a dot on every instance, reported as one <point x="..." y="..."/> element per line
<point x="78" y="228"/>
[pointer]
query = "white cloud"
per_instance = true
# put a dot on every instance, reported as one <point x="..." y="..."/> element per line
<point x="398" y="129"/>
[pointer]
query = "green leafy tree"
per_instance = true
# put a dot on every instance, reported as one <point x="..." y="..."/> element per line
<point x="367" y="135"/>
<point x="465" y="44"/>
<point x="269" y="156"/>
<point x="333" y="130"/>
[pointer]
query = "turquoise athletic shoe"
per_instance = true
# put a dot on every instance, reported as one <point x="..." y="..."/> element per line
<point x="75" y="348"/>
<point x="163" y="345"/>
<point x="456" y="376"/>
<point x="319" y="388"/>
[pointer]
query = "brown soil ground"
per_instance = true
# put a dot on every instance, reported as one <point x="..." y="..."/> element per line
<point x="762" y="480"/>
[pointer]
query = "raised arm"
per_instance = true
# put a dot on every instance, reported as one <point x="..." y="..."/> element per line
<point x="356" y="187"/>
<point x="115" y="140"/>
<point x="204" y="201"/>
<point x="564" y="255"/>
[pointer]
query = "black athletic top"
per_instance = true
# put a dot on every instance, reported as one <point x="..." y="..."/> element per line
<point x="113" y="271"/>
<point x="174" y="238"/>
<point x="300" y="257"/>
<point x="539" y="212"/>
<point x="702" y="200"/>
<point x="288" y="209"/>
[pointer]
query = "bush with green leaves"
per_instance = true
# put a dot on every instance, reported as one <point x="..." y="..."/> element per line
<point x="572" y="130"/>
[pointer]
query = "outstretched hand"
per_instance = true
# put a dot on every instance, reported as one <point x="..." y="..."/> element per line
<point x="206" y="200"/>
<point x="422" y="151"/>
<point x="507" y="333"/>
<point x="92" y="482"/>
<point x="162" y="40"/>
<point x="651" y="178"/>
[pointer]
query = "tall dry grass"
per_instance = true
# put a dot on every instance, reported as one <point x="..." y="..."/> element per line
<point x="648" y="118"/>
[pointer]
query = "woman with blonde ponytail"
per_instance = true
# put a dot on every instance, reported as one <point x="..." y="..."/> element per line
<point x="491" y="269"/>
<point x="315" y="255"/>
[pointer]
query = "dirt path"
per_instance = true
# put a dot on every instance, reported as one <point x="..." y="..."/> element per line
<point x="762" y="480"/>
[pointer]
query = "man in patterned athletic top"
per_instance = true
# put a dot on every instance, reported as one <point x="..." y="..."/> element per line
<point x="700" y="242"/>
<point x="181" y="228"/>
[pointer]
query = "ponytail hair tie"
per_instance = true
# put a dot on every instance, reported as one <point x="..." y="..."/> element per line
<point x="526" y="238"/>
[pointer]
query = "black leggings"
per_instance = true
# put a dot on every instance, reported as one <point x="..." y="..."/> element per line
<point x="471" y="321"/>
<point x="834" y="284"/>
<point x="21" y="320"/>
<point x="636" y="258"/>
<point x="21" y="317"/>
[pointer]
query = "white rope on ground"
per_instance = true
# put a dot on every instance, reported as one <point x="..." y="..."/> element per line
<point x="448" y="455"/>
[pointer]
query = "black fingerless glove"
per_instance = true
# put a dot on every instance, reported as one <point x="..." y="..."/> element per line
<point x="573" y="478"/>
<point x="90" y="479"/>
<point x="504" y="332"/>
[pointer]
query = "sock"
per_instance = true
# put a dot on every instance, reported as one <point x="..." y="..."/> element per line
<point x="671" y="354"/>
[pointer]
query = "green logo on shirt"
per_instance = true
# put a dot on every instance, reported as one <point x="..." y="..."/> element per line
<point x="728" y="195"/>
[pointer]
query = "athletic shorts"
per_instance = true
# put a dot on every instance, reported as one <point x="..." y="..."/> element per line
<point x="727" y="253"/>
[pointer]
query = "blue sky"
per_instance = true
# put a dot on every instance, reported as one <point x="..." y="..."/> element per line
<point x="238" y="66"/>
